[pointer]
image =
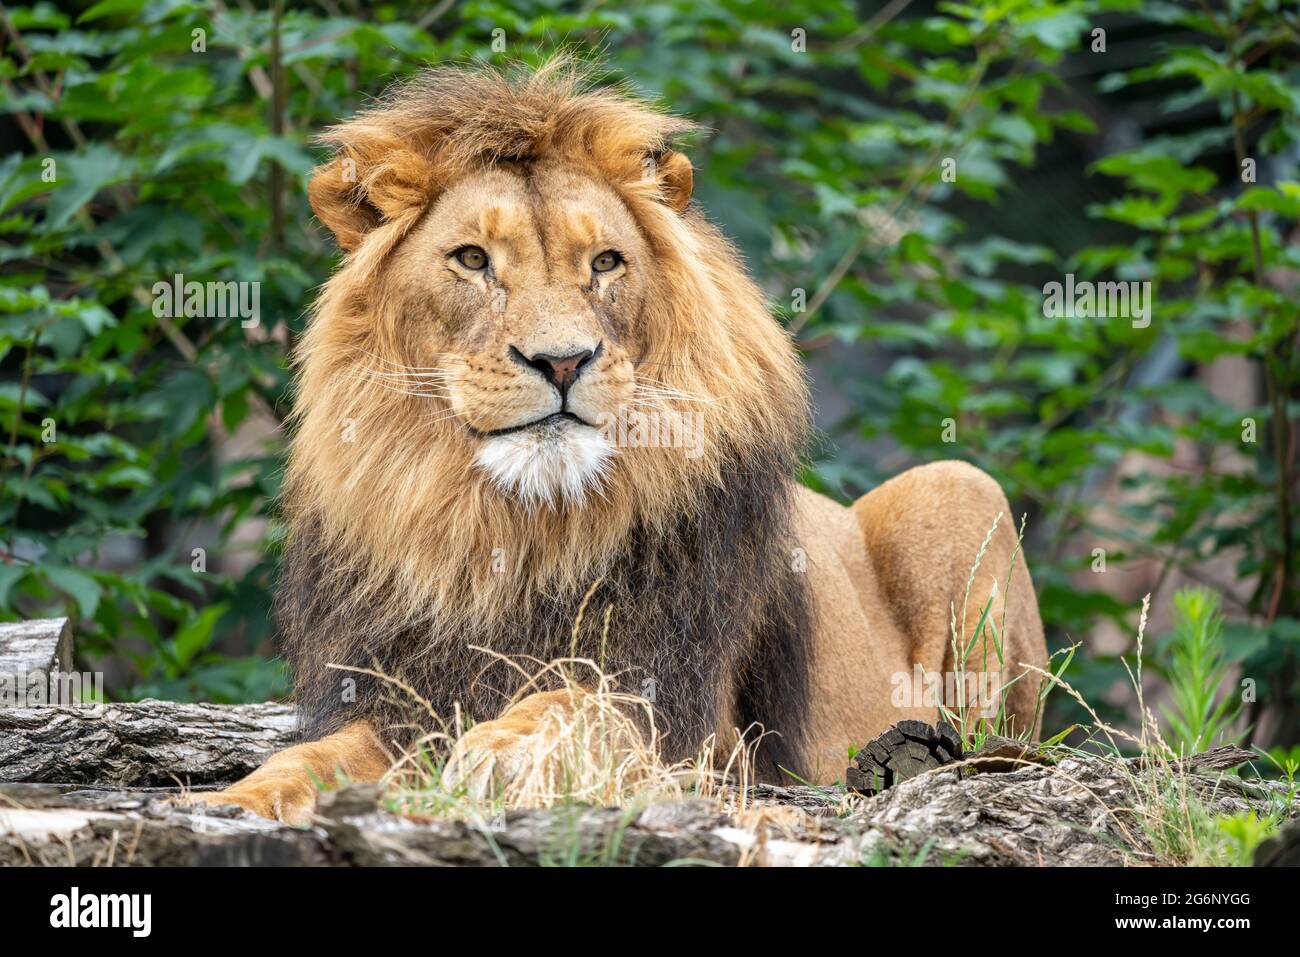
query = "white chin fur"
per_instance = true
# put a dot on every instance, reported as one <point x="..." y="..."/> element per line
<point x="548" y="464"/>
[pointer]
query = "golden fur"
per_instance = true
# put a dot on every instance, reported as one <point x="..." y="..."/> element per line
<point x="413" y="503"/>
<point x="744" y="597"/>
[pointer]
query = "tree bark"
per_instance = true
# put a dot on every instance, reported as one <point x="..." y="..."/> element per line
<point x="26" y="647"/>
<point x="142" y="744"/>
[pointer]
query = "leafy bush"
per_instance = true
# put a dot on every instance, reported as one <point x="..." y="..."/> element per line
<point x="886" y="177"/>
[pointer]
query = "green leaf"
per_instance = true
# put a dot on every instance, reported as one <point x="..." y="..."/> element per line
<point x="81" y="176"/>
<point x="1285" y="199"/>
<point x="109" y="7"/>
<point x="77" y="583"/>
<point x="11" y="574"/>
<point x="197" y="635"/>
<point x="1058" y="29"/>
<point x="1156" y="172"/>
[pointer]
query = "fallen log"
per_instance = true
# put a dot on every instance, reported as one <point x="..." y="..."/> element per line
<point x="1080" y="812"/>
<point x="41" y="646"/>
<point x="99" y="783"/>
<point x="142" y="744"/>
<point x="50" y="826"/>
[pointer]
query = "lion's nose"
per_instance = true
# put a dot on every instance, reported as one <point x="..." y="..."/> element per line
<point x="560" y="371"/>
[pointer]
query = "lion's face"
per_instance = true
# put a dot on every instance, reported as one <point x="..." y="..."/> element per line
<point x="535" y="353"/>
<point x="524" y="292"/>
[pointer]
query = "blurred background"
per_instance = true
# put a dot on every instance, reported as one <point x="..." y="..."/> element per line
<point x="903" y="178"/>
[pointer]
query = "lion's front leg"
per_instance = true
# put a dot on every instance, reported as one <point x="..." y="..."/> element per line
<point x="286" y="786"/>
<point x="493" y="753"/>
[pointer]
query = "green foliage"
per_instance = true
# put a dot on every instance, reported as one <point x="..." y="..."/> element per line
<point x="827" y="162"/>
<point x="1286" y="761"/>
<point x="1053" y="406"/>
<point x="1240" y="835"/>
<point x="1202" y="709"/>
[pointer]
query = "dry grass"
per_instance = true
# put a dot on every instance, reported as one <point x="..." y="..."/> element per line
<point x="602" y="750"/>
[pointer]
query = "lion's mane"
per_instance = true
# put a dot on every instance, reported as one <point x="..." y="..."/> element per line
<point x="400" y="556"/>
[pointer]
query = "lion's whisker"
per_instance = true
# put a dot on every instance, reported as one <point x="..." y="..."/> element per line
<point x="400" y="365"/>
<point x="424" y="387"/>
<point x="659" y="391"/>
<point x="644" y="393"/>
<point x="661" y="365"/>
<point x="418" y="395"/>
<point x="389" y="385"/>
<point x="408" y="375"/>
<point x="434" y="418"/>
<point x="381" y="380"/>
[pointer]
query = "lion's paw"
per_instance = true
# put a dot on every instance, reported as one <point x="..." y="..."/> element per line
<point x="290" y="798"/>
<point x="492" y="754"/>
<point x="487" y="757"/>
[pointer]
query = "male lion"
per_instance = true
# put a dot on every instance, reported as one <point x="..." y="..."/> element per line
<point x="522" y="267"/>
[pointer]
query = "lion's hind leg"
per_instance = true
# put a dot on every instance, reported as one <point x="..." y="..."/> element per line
<point x="923" y="531"/>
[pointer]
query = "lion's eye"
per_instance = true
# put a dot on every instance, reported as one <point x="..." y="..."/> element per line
<point x="606" y="261"/>
<point x="471" y="257"/>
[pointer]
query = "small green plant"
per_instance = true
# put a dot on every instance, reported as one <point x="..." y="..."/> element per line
<point x="1189" y="833"/>
<point x="1194" y="663"/>
<point x="566" y="845"/>
<point x="972" y="720"/>
<point x="1285" y="761"/>
<point x="884" y="855"/>
<point x="1242" y="833"/>
<point x="1183" y="829"/>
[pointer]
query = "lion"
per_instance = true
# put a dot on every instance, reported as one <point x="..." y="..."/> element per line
<point x="522" y="269"/>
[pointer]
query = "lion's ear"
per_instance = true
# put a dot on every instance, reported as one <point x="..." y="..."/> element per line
<point x="676" y="178"/>
<point x="339" y="202"/>
<point x="366" y="185"/>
